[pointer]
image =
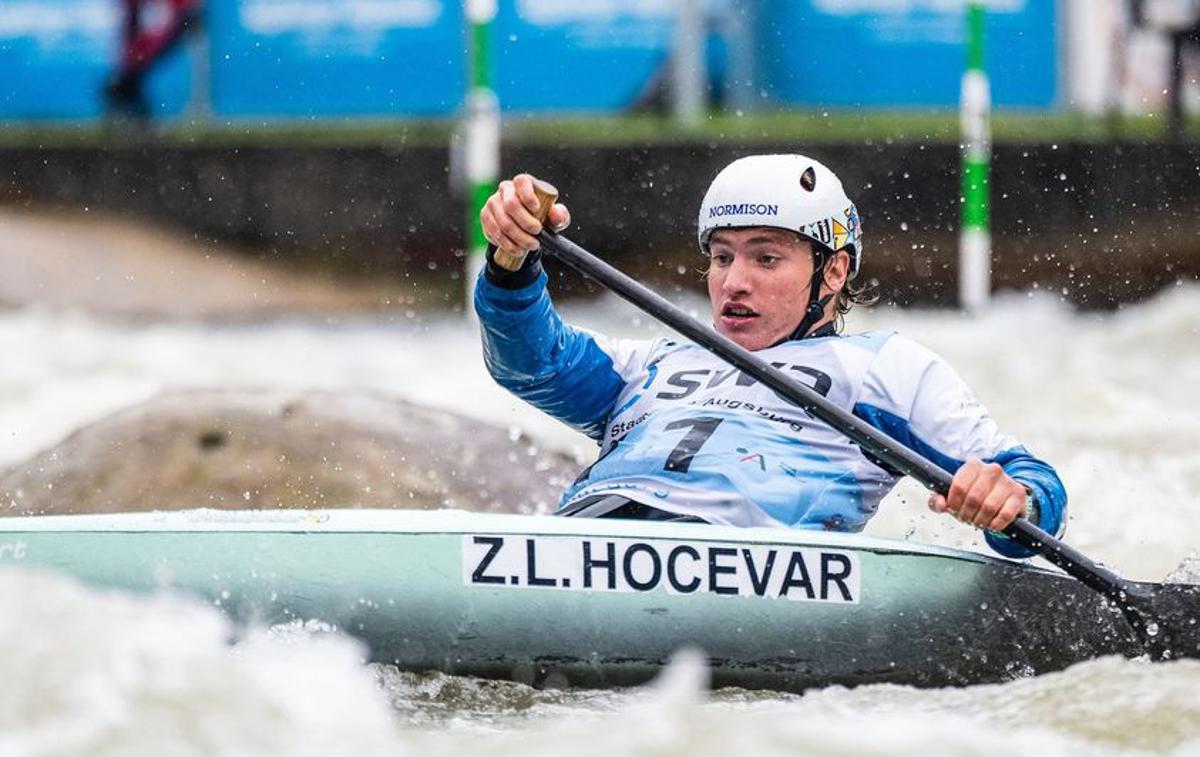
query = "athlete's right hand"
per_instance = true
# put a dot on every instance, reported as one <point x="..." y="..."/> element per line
<point x="508" y="216"/>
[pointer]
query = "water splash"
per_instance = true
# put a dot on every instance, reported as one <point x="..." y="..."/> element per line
<point x="103" y="673"/>
<point x="1187" y="572"/>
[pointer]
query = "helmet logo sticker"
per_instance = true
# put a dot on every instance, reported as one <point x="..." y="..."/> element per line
<point x="840" y="235"/>
<point x="833" y="232"/>
<point x="808" y="179"/>
<point x="821" y="231"/>
<point x="853" y="227"/>
<point x="743" y="209"/>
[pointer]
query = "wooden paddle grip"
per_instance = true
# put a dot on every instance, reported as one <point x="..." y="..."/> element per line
<point x="547" y="195"/>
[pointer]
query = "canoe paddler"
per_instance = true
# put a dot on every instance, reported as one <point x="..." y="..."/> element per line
<point x="685" y="436"/>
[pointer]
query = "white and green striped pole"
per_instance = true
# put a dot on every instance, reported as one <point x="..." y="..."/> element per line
<point x="482" y="134"/>
<point x="975" y="242"/>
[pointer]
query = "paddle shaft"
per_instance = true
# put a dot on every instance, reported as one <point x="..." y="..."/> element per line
<point x="874" y="443"/>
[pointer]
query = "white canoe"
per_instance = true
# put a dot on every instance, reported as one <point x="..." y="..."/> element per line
<point x="598" y="602"/>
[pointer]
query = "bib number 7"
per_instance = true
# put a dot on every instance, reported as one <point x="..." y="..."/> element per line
<point x="699" y="429"/>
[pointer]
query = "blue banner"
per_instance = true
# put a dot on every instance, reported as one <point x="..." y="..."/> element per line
<point x="409" y="57"/>
<point x="581" y="55"/>
<point x="56" y="55"/>
<point x="398" y="58"/>
<point x="904" y="52"/>
<point x="323" y="58"/>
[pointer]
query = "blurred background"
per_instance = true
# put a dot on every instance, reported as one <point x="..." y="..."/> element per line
<point x="342" y="138"/>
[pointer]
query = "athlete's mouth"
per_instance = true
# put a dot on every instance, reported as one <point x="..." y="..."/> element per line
<point x="737" y="310"/>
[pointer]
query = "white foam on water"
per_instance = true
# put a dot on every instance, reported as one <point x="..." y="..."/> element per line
<point x="89" y="672"/>
<point x="1103" y="707"/>
<point x="1109" y="704"/>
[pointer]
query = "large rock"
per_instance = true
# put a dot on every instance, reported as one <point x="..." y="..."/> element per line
<point x="267" y="449"/>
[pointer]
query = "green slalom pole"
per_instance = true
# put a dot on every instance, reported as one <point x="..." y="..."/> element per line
<point x="482" y="134"/>
<point x="975" y="242"/>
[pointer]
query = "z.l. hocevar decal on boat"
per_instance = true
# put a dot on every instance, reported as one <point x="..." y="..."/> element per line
<point x="677" y="567"/>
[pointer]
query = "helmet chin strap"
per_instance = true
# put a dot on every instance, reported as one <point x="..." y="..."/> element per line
<point x="815" y="310"/>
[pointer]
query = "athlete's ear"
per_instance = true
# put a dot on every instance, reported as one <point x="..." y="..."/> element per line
<point x="837" y="271"/>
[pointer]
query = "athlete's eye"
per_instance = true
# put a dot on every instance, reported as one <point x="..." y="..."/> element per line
<point x="767" y="260"/>
<point x="721" y="259"/>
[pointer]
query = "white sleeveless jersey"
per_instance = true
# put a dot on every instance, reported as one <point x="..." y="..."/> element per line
<point x="682" y="431"/>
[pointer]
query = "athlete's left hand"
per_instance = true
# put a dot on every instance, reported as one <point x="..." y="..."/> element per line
<point x="983" y="495"/>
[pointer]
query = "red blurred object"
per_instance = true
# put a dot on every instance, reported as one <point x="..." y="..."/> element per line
<point x="142" y="48"/>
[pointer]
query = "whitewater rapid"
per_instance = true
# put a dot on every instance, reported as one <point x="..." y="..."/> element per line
<point x="1109" y="398"/>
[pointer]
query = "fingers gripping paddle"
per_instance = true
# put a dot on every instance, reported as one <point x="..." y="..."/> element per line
<point x="1164" y="616"/>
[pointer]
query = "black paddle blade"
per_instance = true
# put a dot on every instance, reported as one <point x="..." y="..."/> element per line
<point x="1173" y="618"/>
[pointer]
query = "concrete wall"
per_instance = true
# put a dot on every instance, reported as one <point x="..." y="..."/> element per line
<point x="1106" y="223"/>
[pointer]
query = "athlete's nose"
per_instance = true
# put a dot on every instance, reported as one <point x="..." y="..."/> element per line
<point x="737" y="277"/>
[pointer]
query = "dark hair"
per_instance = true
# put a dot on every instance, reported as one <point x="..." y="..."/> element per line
<point x="861" y="293"/>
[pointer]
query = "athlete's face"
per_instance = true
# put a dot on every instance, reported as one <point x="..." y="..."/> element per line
<point x="758" y="283"/>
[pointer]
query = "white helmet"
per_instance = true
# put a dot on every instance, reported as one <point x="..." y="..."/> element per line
<point x="790" y="192"/>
